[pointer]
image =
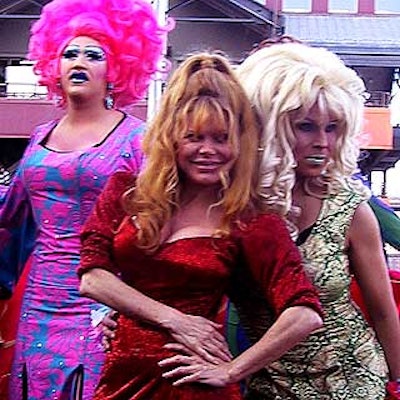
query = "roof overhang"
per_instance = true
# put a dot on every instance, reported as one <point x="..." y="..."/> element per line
<point x="255" y="15"/>
<point x="372" y="41"/>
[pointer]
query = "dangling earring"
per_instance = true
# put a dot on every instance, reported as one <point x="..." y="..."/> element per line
<point x="58" y="100"/>
<point x="109" y="101"/>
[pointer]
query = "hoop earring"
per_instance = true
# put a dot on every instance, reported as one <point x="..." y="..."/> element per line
<point x="109" y="101"/>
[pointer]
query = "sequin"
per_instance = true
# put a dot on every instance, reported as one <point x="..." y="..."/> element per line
<point x="56" y="326"/>
<point x="192" y="275"/>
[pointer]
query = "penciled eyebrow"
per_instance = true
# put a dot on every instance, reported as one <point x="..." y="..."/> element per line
<point x="91" y="52"/>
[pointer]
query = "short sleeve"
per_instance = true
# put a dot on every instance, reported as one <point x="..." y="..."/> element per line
<point x="275" y="265"/>
<point x="134" y="138"/>
<point x="98" y="232"/>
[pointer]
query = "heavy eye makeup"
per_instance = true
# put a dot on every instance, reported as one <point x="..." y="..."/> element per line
<point x="310" y="126"/>
<point x="91" y="53"/>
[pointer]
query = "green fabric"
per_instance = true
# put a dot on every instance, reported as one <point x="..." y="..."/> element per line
<point x="389" y="222"/>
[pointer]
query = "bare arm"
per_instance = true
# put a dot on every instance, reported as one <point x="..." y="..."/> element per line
<point x="272" y="264"/>
<point x="292" y="327"/>
<point x="369" y="266"/>
<point x="105" y="287"/>
<point x="195" y="332"/>
<point x="98" y="271"/>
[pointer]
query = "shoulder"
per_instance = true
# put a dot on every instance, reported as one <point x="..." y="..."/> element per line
<point x="348" y="196"/>
<point x="40" y="131"/>
<point x="263" y="220"/>
<point x="364" y="217"/>
<point x="364" y="227"/>
<point x="132" y="123"/>
<point x="343" y="205"/>
<point x="264" y="226"/>
<point x="130" y="132"/>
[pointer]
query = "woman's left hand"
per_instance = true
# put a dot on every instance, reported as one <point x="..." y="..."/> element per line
<point x="109" y="325"/>
<point x="188" y="367"/>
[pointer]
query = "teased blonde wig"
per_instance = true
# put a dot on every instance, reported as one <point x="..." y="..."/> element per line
<point x="203" y="87"/>
<point x="288" y="78"/>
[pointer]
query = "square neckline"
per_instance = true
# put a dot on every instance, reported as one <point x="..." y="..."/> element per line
<point x="132" y="222"/>
<point x="42" y="142"/>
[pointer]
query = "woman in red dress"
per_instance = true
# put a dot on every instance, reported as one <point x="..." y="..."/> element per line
<point x="161" y="248"/>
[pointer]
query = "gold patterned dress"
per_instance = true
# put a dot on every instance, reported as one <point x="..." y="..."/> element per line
<point x="343" y="359"/>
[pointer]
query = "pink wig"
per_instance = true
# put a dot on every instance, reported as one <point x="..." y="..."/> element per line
<point x="127" y="30"/>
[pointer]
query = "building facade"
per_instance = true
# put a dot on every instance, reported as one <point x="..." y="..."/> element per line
<point x="364" y="33"/>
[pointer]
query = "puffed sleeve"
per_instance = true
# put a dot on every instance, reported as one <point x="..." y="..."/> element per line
<point x="18" y="232"/>
<point x="274" y="265"/>
<point x="100" y="227"/>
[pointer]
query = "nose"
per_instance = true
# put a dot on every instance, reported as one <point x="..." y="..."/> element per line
<point x="80" y="58"/>
<point x="321" y="139"/>
<point x="207" y="147"/>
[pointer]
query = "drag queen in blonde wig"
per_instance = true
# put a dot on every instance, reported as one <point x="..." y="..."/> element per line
<point x="283" y="79"/>
<point x="311" y="109"/>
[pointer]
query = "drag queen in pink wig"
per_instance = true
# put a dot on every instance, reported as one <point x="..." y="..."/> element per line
<point x="95" y="57"/>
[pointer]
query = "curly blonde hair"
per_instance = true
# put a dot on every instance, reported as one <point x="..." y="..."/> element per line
<point x="203" y="87"/>
<point x="287" y="78"/>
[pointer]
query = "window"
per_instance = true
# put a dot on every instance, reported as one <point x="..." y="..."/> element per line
<point x="342" y="6"/>
<point x="387" y="6"/>
<point x="296" y="5"/>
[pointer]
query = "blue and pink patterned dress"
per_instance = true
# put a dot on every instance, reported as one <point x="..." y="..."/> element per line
<point x="58" y="342"/>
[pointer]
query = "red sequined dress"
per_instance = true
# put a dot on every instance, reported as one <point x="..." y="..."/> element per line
<point x="192" y="275"/>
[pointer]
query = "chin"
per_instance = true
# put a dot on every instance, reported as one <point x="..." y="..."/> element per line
<point x="311" y="169"/>
<point x="205" y="183"/>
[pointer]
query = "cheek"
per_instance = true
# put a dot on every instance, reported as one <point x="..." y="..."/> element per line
<point x="297" y="152"/>
<point x="100" y="72"/>
<point x="332" y="140"/>
<point x="179" y="159"/>
<point x="182" y="154"/>
<point x="63" y="68"/>
<point x="332" y="143"/>
<point x="230" y="155"/>
<point x="229" y="152"/>
<point x="63" y="73"/>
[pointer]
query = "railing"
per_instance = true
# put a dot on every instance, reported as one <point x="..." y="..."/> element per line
<point x="394" y="261"/>
<point x="19" y="116"/>
<point x="22" y="90"/>
<point x="378" y="98"/>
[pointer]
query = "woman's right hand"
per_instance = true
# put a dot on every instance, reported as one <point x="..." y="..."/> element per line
<point x="201" y="336"/>
<point x="198" y="334"/>
<point x="109" y="325"/>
